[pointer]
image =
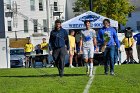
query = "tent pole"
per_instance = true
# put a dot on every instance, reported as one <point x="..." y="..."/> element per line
<point x="90" y="5"/>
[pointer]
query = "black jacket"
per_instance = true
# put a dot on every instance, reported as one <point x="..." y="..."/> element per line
<point x="58" y="39"/>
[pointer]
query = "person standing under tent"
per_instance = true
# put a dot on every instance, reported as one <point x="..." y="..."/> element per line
<point x="128" y="48"/>
<point x="107" y="36"/>
<point x="72" y="47"/>
<point x="88" y="41"/>
<point x="137" y="38"/>
<point x="128" y="43"/>
<point x="78" y="55"/>
<point x="28" y="48"/>
<point x="57" y="42"/>
<point x="44" y="47"/>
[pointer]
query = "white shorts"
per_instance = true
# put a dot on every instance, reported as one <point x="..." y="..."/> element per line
<point x="88" y="53"/>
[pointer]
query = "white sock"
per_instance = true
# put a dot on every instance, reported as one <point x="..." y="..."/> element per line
<point x="91" y="68"/>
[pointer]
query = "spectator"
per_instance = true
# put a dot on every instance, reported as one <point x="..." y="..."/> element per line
<point x="72" y="47"/>
<point x="128" y="43"/>
<point x="44" y="47"/>
<point x="39" y="49"/>
<point x="107" y="36"/>
<point x="28" y="48"/>
<point x="44" y="44"/>
<point x="78" y="54"/>
<point x="58" y="40"/>
<point x="88" y="40"/>
<point x="39" y="57"/>
<point x="137" y="38"/>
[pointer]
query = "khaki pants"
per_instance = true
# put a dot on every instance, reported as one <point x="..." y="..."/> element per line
<point x="138" y="51"/>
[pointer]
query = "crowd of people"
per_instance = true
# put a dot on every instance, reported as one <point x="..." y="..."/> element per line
<point x="85" y="43"/>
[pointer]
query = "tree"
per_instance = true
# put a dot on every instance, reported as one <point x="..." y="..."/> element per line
<point x="114" y="9"/>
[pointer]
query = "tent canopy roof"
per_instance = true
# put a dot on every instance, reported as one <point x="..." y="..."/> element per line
<point x="96" y="21"/>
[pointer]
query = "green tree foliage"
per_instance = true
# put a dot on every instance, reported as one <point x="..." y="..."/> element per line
<point x="114" y="9"/>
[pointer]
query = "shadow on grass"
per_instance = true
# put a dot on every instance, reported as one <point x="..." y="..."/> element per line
<point x="46" y="75"/>
<point x="99" y="74"/>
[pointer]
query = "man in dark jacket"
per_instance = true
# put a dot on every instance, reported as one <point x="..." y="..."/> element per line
<point x="58" y="41"/>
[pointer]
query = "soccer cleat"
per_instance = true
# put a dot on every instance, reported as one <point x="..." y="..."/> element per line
<point x="90" y="75"/>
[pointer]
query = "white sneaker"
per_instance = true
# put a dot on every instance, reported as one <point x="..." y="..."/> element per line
<point x="116" y="64"/>
<point x="52" y="66"/>
<point x="71" y="66"/>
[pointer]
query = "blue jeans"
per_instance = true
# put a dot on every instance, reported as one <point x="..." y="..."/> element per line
<point x="109" y="58"/>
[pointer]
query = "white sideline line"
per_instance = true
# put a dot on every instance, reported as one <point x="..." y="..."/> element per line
<point x="86" y="90"/>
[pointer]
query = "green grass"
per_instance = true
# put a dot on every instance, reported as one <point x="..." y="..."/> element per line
<point x="42" y="80"/>
<point x="126" y="80"/>
<point x="23" y="80"/>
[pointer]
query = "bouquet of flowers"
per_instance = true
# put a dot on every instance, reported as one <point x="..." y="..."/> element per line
<point x="106" y="36"/>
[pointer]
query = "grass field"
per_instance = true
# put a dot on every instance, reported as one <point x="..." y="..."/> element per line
<point x="21" y="80"/>
<point x="126" y="80"/>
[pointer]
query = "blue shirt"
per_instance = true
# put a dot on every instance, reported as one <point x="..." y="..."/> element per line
<point x="113" y="36"/>
<point x="137" y="38"/>
<point x="58" y="39"/>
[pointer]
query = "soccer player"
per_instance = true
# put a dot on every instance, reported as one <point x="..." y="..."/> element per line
<point x="87" y="42"/>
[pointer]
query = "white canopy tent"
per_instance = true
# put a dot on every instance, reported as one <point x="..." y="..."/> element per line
<point x="96" y="21"/>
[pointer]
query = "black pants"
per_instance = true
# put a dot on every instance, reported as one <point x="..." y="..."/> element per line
<point x="59" y="58"/>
